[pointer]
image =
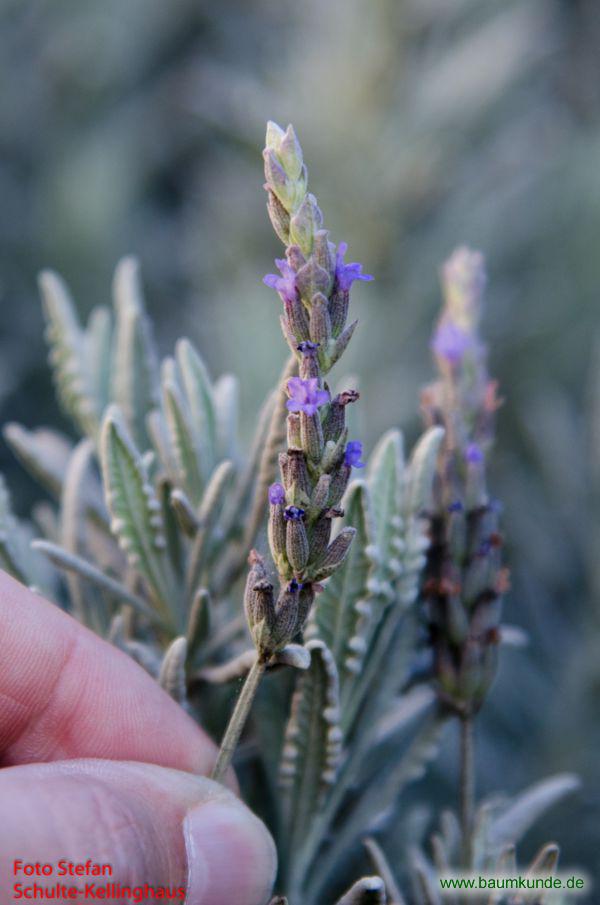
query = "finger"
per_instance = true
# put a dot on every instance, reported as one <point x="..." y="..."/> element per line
<point x="149" y="824"/>
<point x="66" y="693"/>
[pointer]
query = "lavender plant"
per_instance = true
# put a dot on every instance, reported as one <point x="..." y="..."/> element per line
<point x="155" y="512"/>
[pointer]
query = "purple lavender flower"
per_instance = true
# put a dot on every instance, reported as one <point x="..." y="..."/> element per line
<point x="284" y="284"/>
<point x="346" y="274"/>
<point x="294" y="586"/>
<point x="450" y="342"/>
<point x="474" y="454"/>
<point x="276" y="494"/>
<point x="305" y="395"/>
<point x="293" y="514"/>
<point x="354" y="450"/>
<point x="307" y="347"/>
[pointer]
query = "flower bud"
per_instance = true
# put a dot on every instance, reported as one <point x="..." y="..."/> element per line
<point x="338" y="311"/>
<point x="297" y="320"/>
<point x="274" y="136"/>
<point x="320" y="495"/>
<point x="319" y="323"/>
<point x="297" y="544"/>
<point x="277" y="181"/>
<point x="304" y="223"/>
<point x="258" y="602"/>
<point x="311" y="433"/>
<point x="339" y="483"/>
<point x="323" y="251"/>
<point x="320" y="536"/>
<point x="335" y="555"/>
<point x="298" y="472"/>
<point x="286" y="614"/>
<point x="338" y="346"/>
<point x="290" y="153"/>
<point x="293" y="431"/>
<point x="311" y="279"/>
<point x="279" y="217"/>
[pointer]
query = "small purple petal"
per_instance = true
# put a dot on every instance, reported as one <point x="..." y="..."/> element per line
<point x="346" y="274"/>
<point x="474" y="454"/>
<point x="450" y="342"/>
<point x="352" y="456"/>
<point x="276" y="494"/>
<point x="284" y="284"/>
<point x="293" y="514"/>
<point x="305" y="395"/>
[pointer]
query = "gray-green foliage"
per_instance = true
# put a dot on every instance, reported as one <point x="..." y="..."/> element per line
<point x="154" y="511"/>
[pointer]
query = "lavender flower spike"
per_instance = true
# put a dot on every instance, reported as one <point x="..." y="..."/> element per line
<point x="305" y="395"/>
<point x="450" y="342"/>
<point x="354" y="451"/>
<point x="346" y="274"/>
<point x="284" y="284"/>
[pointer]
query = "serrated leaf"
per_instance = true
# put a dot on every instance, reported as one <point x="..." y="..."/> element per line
<point x="68" y="354"/>
<point x="226" y="401"/>
<point x="208" y="514"/>
<point x="16" y="557"/>
<point x="44" y="453"/>
<point x="98" y="351"/>
<point x="523" y="811"/>
<point x="135" y="369"/>
<point x="200" y="398"/>
<point x="136" y="514"/>
<point x="312" y="742"/>
<point x="421" y="470"/>
<point x="183" y="442"/>
<point x="90" y="608"/>
<point x="342" y="607"/>
<point x="386" y="484"/>
<point x="172" y="676"/>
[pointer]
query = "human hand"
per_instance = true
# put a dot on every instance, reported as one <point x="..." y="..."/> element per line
<point x="101" y="765"/>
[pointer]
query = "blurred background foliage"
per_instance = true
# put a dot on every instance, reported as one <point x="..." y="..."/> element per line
<point x="137" y="126"/>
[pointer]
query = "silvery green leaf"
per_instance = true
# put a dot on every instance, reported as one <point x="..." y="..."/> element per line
<point x="44" y="453"/>
<point x="546" y="860"/>
<point x="200" y="398"/>
<point x="184" y="512"/>
<point x="98" y="352"/>
<point x="226" y="394"/>
<point x="421" y="471"/>
<point x="16" y="556"/>
<point x="70" y="363"/>
<point x="172" y="676"/>
<point x="523" y="811"/>
<point x="208" y="514"/>
<point x="341" y="610"/>
<point x="382" y="866"/>
<point x="312" y="742"/>
<point x="135" y="367"/>
<point x="183" y="442"/>
<point x="386" y="484"/>
<point x="136" y="514"/>
<point x="68" y="562"/>
<point x="198" y="627"/>
<point x="368" y="891"/>
<point x="424" y="882"/>
<point x="89" y="606"/>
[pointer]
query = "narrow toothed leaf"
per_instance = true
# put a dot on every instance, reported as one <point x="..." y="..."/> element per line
<point x="208" y="514"/>
<point x="386" y="483"/>
<point x="44" y="453"/>
<point x="135" y="369"/>
<point x="200" y="398"/>
<point x="422" y="469"/>
<point x="226" y="400"/>
<point x="312" y="742"/>
<point x="68" y="355"/>
<point x="136" y="512"/>
<point x="172" y="676"/>
<point x="341" y="610"/>
<point x="523" y="811"/>
<point x="16" y="556"/>
<point x="98" y="351"/>
<point x="183" y="442"/>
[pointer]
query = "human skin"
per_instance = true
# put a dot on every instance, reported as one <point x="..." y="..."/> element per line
<point x="99" y="763"/>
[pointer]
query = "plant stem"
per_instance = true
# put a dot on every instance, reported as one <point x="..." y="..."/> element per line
<point x="467" y="789"/>
<point x="238" y="719"/>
